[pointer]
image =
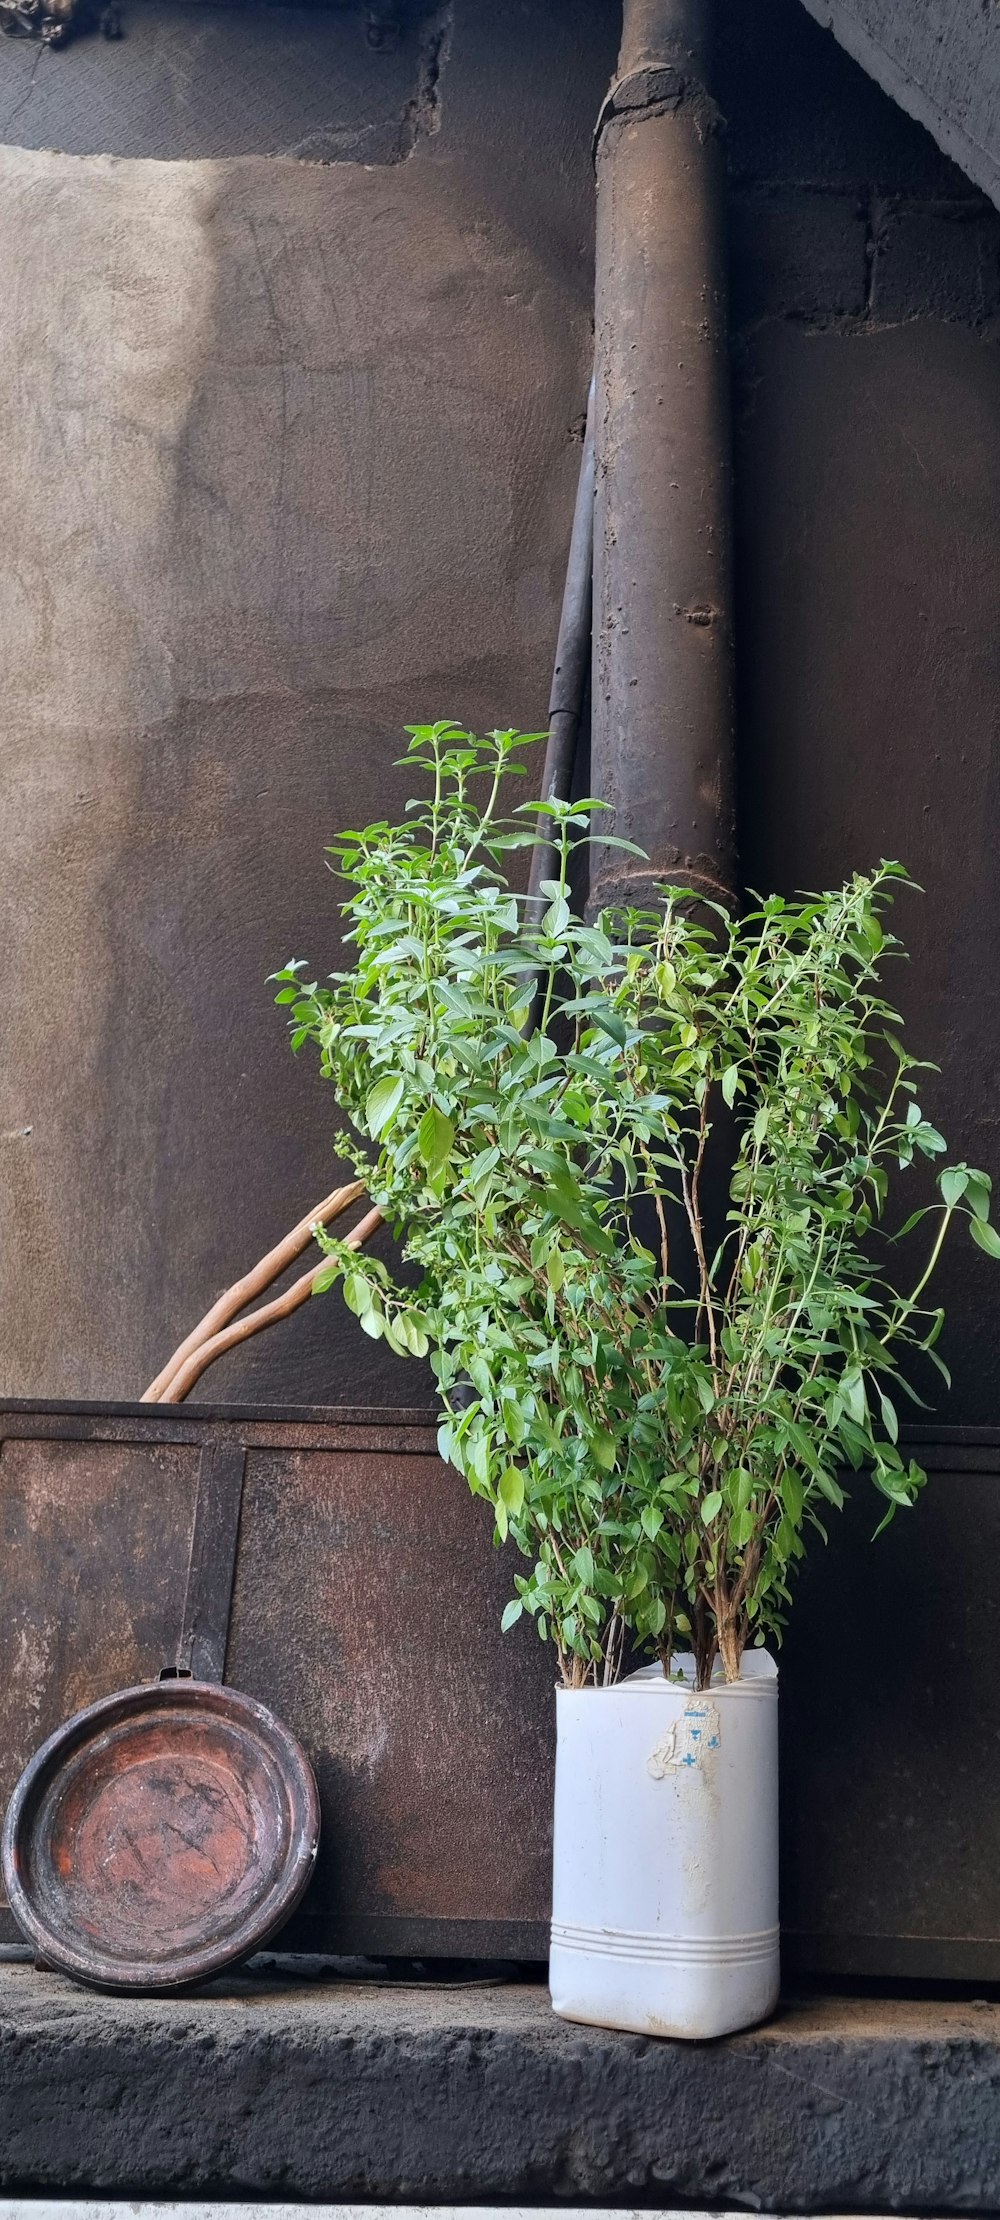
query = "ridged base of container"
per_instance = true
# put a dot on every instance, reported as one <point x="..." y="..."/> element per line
<point x="665" y="1877"/>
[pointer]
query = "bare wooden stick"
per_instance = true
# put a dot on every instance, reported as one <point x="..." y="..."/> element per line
<point x="253" y="1283"/>
<point x="183" y="1379"/>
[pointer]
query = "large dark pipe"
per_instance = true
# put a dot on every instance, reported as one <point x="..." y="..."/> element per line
<point x="569" y="676"/>
<point x="662" y="744"/>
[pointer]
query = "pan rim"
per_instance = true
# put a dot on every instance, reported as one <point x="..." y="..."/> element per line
<point x="294" y="1867"/>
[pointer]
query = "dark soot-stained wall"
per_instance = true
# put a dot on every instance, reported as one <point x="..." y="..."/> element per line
<point x="866" y="284"/>
<point x="289" y="460"/>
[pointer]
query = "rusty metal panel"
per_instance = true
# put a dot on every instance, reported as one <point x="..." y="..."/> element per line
<point x="94" y="1542"/>
<point x="890" y="1722"/>
<point x="366" y="1613"/>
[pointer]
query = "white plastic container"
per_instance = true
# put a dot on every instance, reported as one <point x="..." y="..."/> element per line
<point x="665" y="1879"/>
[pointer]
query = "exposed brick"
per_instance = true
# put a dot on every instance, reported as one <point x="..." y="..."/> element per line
<point x="797" y="254"/>
<point x="933" y="260"/>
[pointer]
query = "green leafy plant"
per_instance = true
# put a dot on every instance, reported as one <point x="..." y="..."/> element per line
<point x="651" y="1232"/>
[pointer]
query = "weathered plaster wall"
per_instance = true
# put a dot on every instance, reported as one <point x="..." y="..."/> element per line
<point x="291" y="461"/>
<point x="289" y="458"/>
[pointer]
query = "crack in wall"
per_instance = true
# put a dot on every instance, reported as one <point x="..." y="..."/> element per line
<point x="871" y="252"/>
<point x="422" y="115"/>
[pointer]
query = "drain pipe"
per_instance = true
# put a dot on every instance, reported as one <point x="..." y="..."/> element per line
<point x="662" y="743"/>
<point x="569" y="676"/>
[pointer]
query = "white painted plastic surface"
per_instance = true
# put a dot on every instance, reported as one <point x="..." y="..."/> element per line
<point x="665" y="1877"/>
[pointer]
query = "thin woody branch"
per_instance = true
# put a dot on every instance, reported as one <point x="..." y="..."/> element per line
<point x="183" y="1379"/>
<point x="253" y="1283"/>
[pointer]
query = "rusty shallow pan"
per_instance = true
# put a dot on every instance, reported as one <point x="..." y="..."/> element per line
<point x="166" y="1831"/>
<point x="160" y="1835"/>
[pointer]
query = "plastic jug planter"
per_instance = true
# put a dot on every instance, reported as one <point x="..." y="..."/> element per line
<point x="665" y="1880"/>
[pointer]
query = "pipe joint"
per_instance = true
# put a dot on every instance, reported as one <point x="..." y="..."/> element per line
<point x="695" y="878"/>
<point x="656" y="89"/>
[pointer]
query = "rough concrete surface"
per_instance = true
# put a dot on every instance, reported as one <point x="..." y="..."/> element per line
<point x="271" y="2088"/>
<point x="941" y="63"/>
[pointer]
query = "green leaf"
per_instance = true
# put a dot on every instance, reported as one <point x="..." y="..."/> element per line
<point x="711" y="1505"/>
<point x="414" y="1333"/>
<point x="511" y="1490"/>
<point x="514" y="1421"/>
<point x="382" y="1102"/>
<point x="435" y="1139"/>
<point x="853" y="1392"/>
<point x="555" y="1269"/>
<point x="511" y="1614"/>
<point x="985" y="1236"/>
<point x="326" y="1277"/>
<point x="604" y="1448"/>
<point x="576" y="1107"/>
<point x="889" y="1418"/>
<point x="739" y="1488"/>
<point x="873" y="933"/>
<point x="730" y="1083"/>
<point x="583" y="1564"/>
<point x="953" y="1184"/>
<point x="978" y="1193"/>
<point x="357" y="1294"/>
<point x="556" y="918"/>
<point x="477" y="1458"/>
<point x="793" y="1494"/>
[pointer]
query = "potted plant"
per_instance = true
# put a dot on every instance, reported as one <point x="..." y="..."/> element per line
<point x="651" y="1240"/>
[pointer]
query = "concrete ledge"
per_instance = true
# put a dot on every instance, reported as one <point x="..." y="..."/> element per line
<point x="269" y="2086"/>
